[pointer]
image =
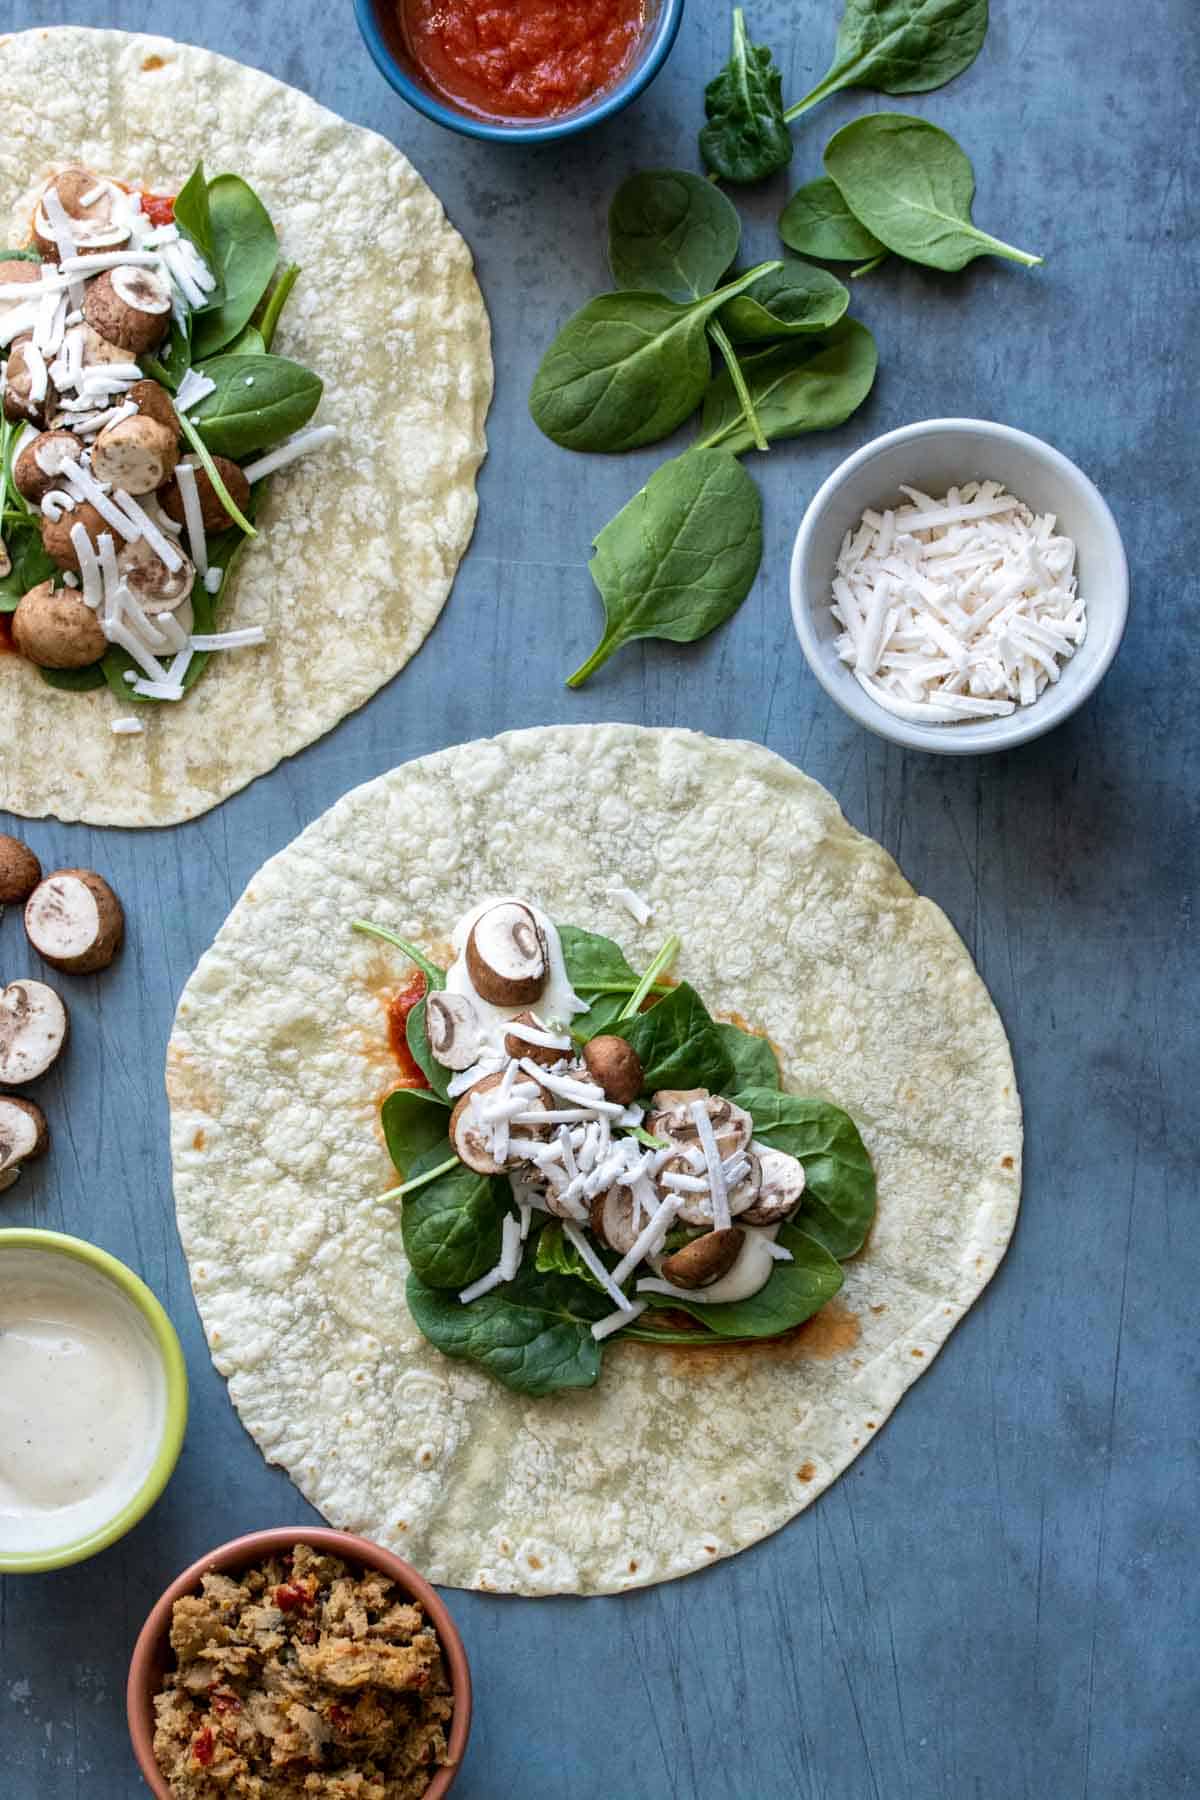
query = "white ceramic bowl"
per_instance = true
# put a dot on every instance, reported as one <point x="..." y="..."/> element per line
<point x="934" y="455"/>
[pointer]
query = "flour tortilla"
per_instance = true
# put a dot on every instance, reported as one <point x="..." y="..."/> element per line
<point x="358" y="544"/>
<point x="279" y="1059"/>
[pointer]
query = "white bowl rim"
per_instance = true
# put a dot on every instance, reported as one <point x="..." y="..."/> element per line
<point x="1027" y="722"/>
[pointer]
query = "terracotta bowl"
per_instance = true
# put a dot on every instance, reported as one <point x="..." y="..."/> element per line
<point x="152" y="1652"/>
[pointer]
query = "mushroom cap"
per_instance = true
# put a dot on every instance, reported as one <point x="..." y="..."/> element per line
<point x="670" y="1117"/>
<point x="74" y="921"/>
<point x="705" y="1259"/>
<point x="95" y="222"/>
<point x="615" y="1219"/>
<point x="153" y="402"/>
<point x="55" y="630"/>
<point x="137" y="453"/>
<point x="546" y="1055"/>
<point x="472" y="1144"/>
<point x="212" y="507"/>
<point x="110" y="309"/>
<point x="452" y="1027"/>
<point x="33" y="1030"/>
<point x="19" y="409"/>
<point x="35" y="471"/>
<point x="507" y="956"/>
<point x="780" y="1187"/>
<point x="20" y="870"/>
<point x="156" y="588"/>
<point x="24" y="1134"/>
<point x="617" y="1067"/>
<point x="56" y="534"/>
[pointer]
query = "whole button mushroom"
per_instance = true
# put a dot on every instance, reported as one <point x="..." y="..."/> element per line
<point x="33" y="1030"/>
<point x="506" y="955"/>
<point x="20" y="870"/>
<point x="54" y="629"/>
<point x="74" y="921"/>
<point x="56" y="533"/>
<point x="137" y="453"/>
<point x="617" y="1067"/>
<point x="212" y="507"/>
<point x="705" y="1259"/>
<point x="24" y="1134"/>
<point x="130" y="307"/>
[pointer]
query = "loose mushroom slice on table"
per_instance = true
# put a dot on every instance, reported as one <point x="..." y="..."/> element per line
<point x="507" y="958"/>
<point x="33" y="1030"/>
<point x="74" y="921"/>
<point x="20" y="870"/>
<point x="24" y="1134"/>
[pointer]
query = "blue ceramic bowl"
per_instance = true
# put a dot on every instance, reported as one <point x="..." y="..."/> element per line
<point x="378" y="24"/>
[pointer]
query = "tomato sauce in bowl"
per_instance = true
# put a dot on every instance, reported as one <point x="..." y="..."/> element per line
<point x="521" y="59"/>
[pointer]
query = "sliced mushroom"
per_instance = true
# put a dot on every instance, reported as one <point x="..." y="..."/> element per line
<point x="506" y="955"/>
<point x="547" y="1055"/>
<point x="20" y="870"/>
<point x="617" y="1067"/>
<point x="39" y="466"/>
<point x="24" y="1134"/>
<point x="671" y="1117"/>
<point x="56" y="533"/>
<point x="94" y="226"/>
<point x="55" y="630"/>
<point x="33" y="1030"/>
<point x="452" y="1028"/>
<point x="471" y="1142"/>
<point x="705" y="1259"/>
<point x="212" y="507"/>
<point x="780" y="1187"/>
<point x="74" y="921"/>
<point x="616" y="1219"/>
<point x="15" y="274"/>
<point x="137" y="453"/>
<point x="30" y="397"/>
<point x="130" y="307"/>
<point x="156" y="588"/>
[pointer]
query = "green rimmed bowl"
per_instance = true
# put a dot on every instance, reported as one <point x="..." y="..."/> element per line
<point x="128" y="1290"/>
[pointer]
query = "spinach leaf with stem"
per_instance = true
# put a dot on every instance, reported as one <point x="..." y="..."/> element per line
<point x="245" y="251"/>
<point x="720" y="338"/>
<point x="681" y="556"/>
<point x="256" y="403"/>
<point x="912" y="185"/>
<point x="417" y="1039"/>
<point x="628" y="368"/>
<point x="435" y="978"/>
<point x="671" y="232"/>
<point x="594" y="963"/>
<point x="451" y="1225"/>
<point x="802" y="384"/>
<point x="534" y="1333"/>
<point x="276" y="301"/>
<point x="839" y="1195"/>
<point x="678" y="1044"/>
<point x="248" y="342"/>
<point x="794" y="300"/>
<point x="755" y="1064"/>
<point x="746" y="137"/>
<point x="793" y="1293"/>
<point x="662" y="962"/>
<point x="900" y="47"/>
<point x="414" y="1122"/>
<point x="817" y="222"/>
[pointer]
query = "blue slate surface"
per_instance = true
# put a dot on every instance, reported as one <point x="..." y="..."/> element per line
<point x="1000" y="1598"/>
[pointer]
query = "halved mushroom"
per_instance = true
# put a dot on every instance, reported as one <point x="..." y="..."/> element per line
<point x="544" y="1054"/>
<point x="74" y="921"/>
<point x="20" y="870"/>
<point x="33" y="1030"/>
<point x="24" y="1134"/>
<point x="617" y="1067"/>
<point x="452" y="1029"/>
<point x="671" y="1117"/>
<point x="56" y="533"/>
<point x="780" y="1187"/>
<point x="130" y="307"/>
<point x="39" y="466"/>
<point x="137" y="453"/>
<point x="55" y="630"/>
<point x="616" y="1219"/>
<point x="471" y="1140"/>
<point x="212" y="507"/>
<point x="30" y="397"/>
<point x="506" y="955"/>
<point x="156" y="588"/>
<point x="95" y="226"/>
<point x="705" y="1259"/>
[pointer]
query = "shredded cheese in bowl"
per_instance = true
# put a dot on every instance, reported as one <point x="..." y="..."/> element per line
<point x="956" y="609"/>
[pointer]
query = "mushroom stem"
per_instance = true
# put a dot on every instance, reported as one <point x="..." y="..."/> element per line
<point x="662" y="961"/>
<point x="434" y="976"/>
<point x="419" y="1181"/>
<point x="214" y="475"/>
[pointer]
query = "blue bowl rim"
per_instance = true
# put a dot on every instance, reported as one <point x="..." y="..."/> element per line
<point x="656" y="50"/>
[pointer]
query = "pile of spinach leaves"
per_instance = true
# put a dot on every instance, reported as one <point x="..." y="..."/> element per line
<point x="259" y="400"/>
<point x="632" y="366"/>
<point x="534" y="1333"/>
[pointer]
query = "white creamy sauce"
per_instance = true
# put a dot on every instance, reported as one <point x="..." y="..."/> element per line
<point x="559" y="1003"/>
<point x="82" y="1400"/>
<point x="750" y="1272"/>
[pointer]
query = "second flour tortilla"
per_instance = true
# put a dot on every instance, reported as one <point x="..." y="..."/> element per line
<point x="358" y="544"/>
<point x="279" y="1058"/>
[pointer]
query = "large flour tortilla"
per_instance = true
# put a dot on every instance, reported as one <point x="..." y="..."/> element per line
<point x="360" y="543"/>
<point x="278" y="1061"/>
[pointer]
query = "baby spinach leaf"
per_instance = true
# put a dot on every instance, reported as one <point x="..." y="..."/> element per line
<point x="901" y="47"/>
<point x="557" y="1255"/>
<point x="679" y="1044"/>
<point x="594" y="962"/>
<point x="193" y="215"/>
<point x="413" y="1122"/>
<point x="839" y="1195"/>
<point x="755" y="1064"/>
<point x="245" y="251"/>
<point x="33" y="256"/>
<point x="794" y="298"/>
<point x="671" y="232"/>
<point x="418" y="1042"/>
<point x="75" y="681"/>
<point x="794" y="1292"/>
<point x="817" y="222"/>
<point x="802" y="384"/>
<point x="533" y="1334"/>
<point x="248" y="342"/>
<point x="912" y="186"/>
<point x="681" y="556"/>
<point x="600" y="1016"/>
<point x="746" y="138"/>
<point x="451" y="1227"/>
<point x="627" y="368"/>
<point x="30" y="564"/>
<point x="257" y="402"/>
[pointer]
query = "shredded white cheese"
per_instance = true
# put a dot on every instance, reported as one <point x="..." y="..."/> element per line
<point x="230" y="640"/>
<point x="126" y="727"/>
<point x="631" y="901"/>
<point x="189" y="493"/>
<point x="613" y="1321"/>
<point x="192" y="389"/>
<point x="300" y="445"/>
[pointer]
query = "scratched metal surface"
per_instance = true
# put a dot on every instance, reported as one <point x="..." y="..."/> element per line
<point x="999" y="1599"/>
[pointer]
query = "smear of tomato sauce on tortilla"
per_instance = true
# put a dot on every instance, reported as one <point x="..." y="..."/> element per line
<point x="521" y="59"/>
<point x="158" y="208"/>
<point x="399" y="1006"/>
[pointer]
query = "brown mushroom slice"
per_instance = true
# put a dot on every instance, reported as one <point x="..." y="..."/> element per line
<point x="546" y="1055"/>
<point x="507" y="958"/>
<point x="39" y="466"/>
<point x="130" y="307"/>
<point x="153" y="401"/>
<point x="20" y="870"/>
<point x="94" y="226"/>
<point x="30" y="397"/>
<point x="74" y="921"/>
<point x="33" y="1030"/>
<point x="137" y="453"/>
<point x="24" y="1134"/>
<point x="616" y="1219"/>
<point x="671" y="1117"/>
<point x="705" y="1259"/>
<point x="212" y="507"/>
<point x="780" y="1187"/>
<point x="452" y="1028"/>
<point x="56" y="533"/>
<point x="472" y="1141"/>
<point x="16" y="273"/>
<point x="156" y="588"/>
<point x="54" y="629"/>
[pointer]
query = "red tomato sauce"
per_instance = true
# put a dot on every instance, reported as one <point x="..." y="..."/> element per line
<point x="399" y="1007"/>
<point x="521" y="59"/>
<point x="158" y="208"/>
<point x="6" y="637"/>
